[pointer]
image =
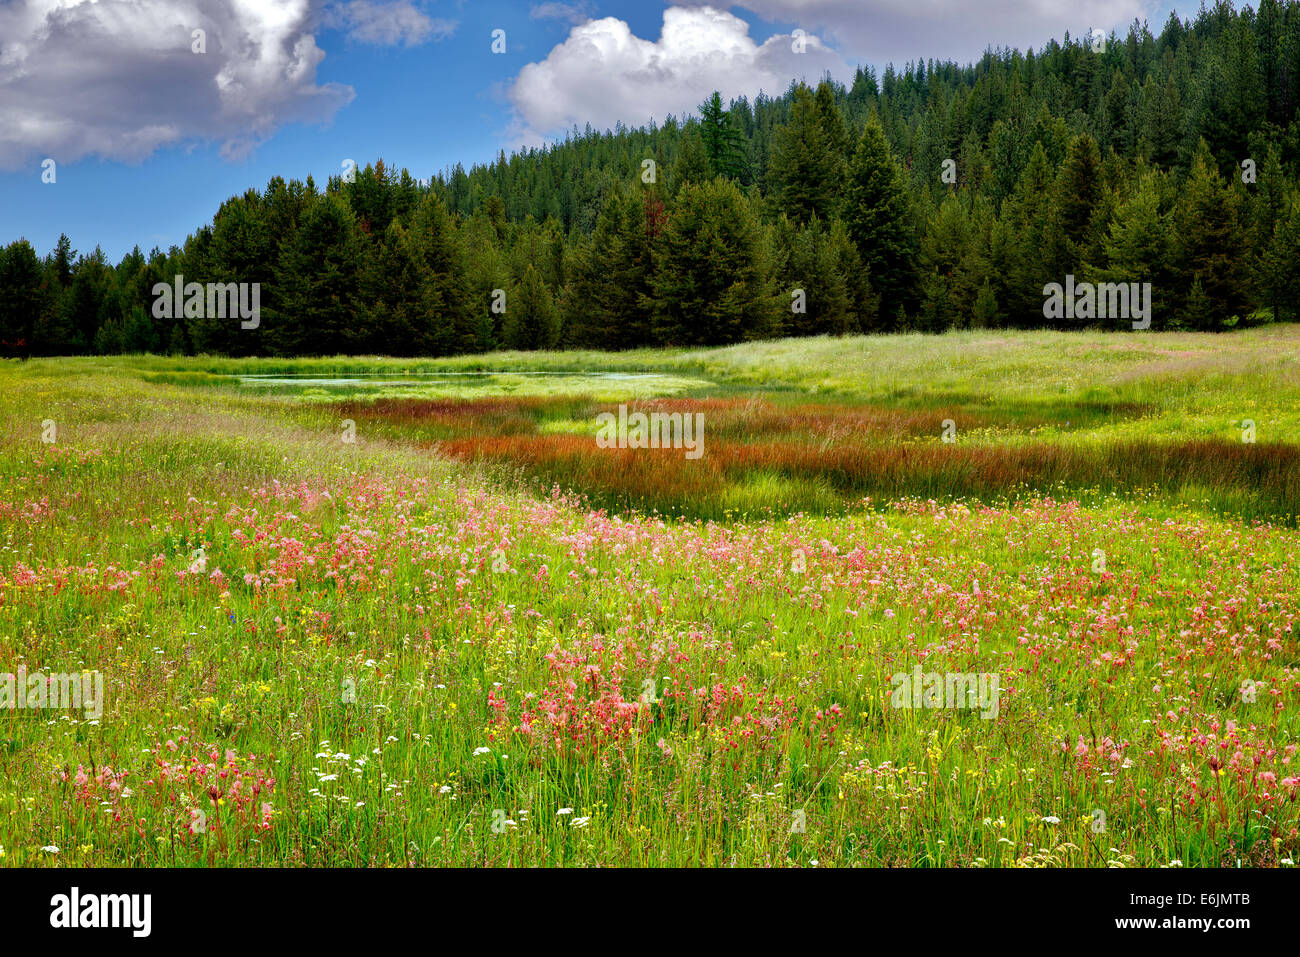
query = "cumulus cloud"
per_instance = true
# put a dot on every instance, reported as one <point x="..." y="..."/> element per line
<point x="900" y="30"/>
<point x="603" y="74"/>
<point x="120" y="79"/>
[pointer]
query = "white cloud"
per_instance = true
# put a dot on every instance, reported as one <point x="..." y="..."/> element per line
<point x="119" y="79"/>
<point x="603" y="74"/>
<point x="571" y="12"/>
<point x="387" y="23"/>
<point x="900" y="30"/>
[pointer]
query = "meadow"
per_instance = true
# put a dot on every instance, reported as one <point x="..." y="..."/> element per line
<point x="371" y="612"/>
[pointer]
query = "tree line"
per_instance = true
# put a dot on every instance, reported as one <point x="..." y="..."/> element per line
<point x="935" y="197"/>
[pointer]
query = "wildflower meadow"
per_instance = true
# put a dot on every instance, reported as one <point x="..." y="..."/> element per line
<point x="1039" y="612"/>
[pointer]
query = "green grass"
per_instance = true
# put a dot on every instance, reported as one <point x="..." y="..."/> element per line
<point x="686" y="687"/>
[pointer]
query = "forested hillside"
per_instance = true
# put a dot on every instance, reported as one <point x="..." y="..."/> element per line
<point x="933" y="197"/>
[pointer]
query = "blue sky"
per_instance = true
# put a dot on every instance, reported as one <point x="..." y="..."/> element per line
<point x="149" y="137"/>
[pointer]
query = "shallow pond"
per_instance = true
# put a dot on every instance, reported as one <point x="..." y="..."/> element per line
<point x="612" y="385"/>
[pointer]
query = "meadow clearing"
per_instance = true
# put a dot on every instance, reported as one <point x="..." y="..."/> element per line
<point x="370" y="612"/>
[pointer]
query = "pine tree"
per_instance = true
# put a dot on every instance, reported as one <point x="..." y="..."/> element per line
<point x="937" y="307"/>
<point x="1139" y="249"/>
<point x="319" y="275"/>
<point x="91" y="283"/>
<point x="372" y="196"/>
<point x="864" y="304"/>
<point x="804" y="172"/>
<point x="692" y="165"/>
<point x="986" y="314"/>
<point x="1074" y="229"/>
<point x="710" y="285"/>
<point x="138" y="333"/>
<point x="1270" y="25"/>
<point x="1116" y="134"/>
<point x="1244" y="102"/>
<point x="723" y="143"/>
<point x="1212" y="244"/>
<point x="392" y="283"/>
<point x="949" y="269"/>
<point x="20" y="298"/>
<point x="61" y="260"/>
<point x="55" y="333"/>
<point x="814" y="293"/>
<point x="488" y="272"/>
<point x="834" y="132"/>
<point x="608" y="298"/>
<point x="444" y="319"/>
<point x="531" y="320"/>
<point x="1279" y="278"/>
<point x="1028" y="213"/>
<point x="1004" y="161"/>
<point x="1268" y="196"/>
<point x="1162" y="122"/>
<point x="1198" y="310"/>
<point x="494" y="207"/>
<point x="240" y="250"/>
<point x="878" y="220"/>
